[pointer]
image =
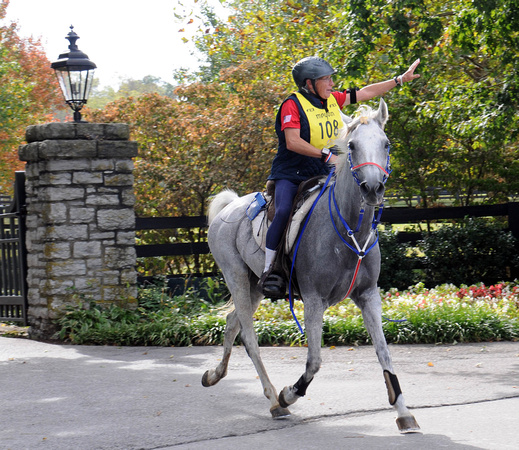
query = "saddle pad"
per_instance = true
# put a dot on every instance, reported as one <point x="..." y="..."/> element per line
<point x="260" y="224"/>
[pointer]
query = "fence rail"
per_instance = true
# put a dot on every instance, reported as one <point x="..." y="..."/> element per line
<point x="389" y="216"/>
<point x="417" y="215"/>
<point x="168" y="223"/>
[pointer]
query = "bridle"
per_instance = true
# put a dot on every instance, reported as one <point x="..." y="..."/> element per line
<point x="387" y="170"/>
<point x="361" y="252"/>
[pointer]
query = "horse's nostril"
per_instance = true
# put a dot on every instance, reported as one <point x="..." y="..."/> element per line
<point x="364" y="187"/>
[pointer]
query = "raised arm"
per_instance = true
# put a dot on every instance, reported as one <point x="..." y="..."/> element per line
<point x="377" y="89"/>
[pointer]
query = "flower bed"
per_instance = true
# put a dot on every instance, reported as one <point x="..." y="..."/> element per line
<point x="445" y="314"/>
<point x="419" y="315"/>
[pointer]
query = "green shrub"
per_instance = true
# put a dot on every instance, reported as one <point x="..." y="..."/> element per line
<point x="154" y="296"/>
<point x="90" y="323"/>
<point x="451" y="324"/>
<point x="345" y="331"/>
<point x="399" y="266"/>
<point x="471" y="251"/>
<point x="445" y="314"/>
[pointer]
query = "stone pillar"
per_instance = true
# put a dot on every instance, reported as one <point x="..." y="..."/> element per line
<point x="80" y="218"/>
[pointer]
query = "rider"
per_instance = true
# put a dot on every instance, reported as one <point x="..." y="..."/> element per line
<point x="306" y="123"/>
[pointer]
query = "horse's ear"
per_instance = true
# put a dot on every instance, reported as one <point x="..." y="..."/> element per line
<point x="346" y="119"/>
<point x="382" y="114"/>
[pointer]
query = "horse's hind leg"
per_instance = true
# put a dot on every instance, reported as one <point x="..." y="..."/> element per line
<point x="371" y="308"/>
<point x="245" y="308"/>
<point x="246" y="304"/>
<point x="232" y="327"/>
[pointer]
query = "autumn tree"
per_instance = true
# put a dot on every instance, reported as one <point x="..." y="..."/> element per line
<point x="29" y="93"/>
<point x="209" y="137"/>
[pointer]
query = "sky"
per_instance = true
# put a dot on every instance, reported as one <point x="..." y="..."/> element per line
<point x="124" y="38"/>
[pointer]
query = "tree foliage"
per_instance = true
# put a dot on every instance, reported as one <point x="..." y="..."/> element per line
<point x="128" y="87"/>
<point x="29" y="93"/>
<point x="209" y="136"/>
<point x="455" y="128"/>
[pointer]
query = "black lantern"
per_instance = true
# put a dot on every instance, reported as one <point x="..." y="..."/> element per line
<point x="75" y="74"/>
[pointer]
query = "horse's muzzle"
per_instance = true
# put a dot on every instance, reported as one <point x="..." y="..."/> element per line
<point x="372" y="193"/>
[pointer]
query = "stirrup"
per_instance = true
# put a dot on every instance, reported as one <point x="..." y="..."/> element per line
<point x="274" y="286"/>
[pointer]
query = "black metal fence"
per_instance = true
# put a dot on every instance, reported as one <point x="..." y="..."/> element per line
<point x="13" y="257"/>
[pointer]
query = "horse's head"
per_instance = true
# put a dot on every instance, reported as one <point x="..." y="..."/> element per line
<point x="367" y="151"/>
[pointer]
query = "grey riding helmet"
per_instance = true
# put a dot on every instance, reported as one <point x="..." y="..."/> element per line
<point x="312" y="68"/>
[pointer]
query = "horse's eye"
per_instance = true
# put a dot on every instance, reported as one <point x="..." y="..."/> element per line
<point x="351" y="145"/>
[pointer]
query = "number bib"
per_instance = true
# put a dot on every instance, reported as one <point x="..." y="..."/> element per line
<point x="324" y="126"/>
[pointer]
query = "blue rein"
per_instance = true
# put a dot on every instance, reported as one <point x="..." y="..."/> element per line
<point x="360" y="252"/>
<point x="296" y="248"/>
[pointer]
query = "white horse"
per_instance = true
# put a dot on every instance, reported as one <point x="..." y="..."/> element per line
<point x="333" y="261"/>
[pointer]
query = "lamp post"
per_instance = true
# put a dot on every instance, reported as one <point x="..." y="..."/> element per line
<point x="75" y="73"/>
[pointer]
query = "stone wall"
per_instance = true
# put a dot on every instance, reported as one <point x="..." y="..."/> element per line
<point x="80" y="218"/>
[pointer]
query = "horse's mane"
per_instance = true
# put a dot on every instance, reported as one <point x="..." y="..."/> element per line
<point x="363" y="115"/>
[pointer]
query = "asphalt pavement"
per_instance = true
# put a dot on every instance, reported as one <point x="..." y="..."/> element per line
<point x="64" y="397"/>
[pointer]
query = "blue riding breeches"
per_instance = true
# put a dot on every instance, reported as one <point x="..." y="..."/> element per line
<point x="283" y="199"/>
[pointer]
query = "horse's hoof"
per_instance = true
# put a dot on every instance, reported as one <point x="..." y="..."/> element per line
<point x="287" y="397"/>
<point x="206" y="381"/>
<point x="281" y="399"/>
<point x="407" y="424"/>
<point x="279" y="412"/>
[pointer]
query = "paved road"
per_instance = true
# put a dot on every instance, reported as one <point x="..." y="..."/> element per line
<point x="86" y="397"/>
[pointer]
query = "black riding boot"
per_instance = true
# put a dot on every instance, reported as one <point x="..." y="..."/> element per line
<point x="273" y="285"/>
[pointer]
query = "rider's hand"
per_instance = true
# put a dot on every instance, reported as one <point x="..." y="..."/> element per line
<point x="409" y="74"/>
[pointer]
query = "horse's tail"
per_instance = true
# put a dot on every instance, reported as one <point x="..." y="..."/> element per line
<point x="219" y="202"/>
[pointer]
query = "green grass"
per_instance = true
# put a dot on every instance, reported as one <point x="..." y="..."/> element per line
<point x="446" y="314"/>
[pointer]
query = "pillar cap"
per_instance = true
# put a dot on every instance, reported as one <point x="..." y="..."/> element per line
<point x="70" y="130"/>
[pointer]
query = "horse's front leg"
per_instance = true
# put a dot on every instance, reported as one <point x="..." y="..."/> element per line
<point x="370" y="305"/>
<point x="314" y="330"/>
